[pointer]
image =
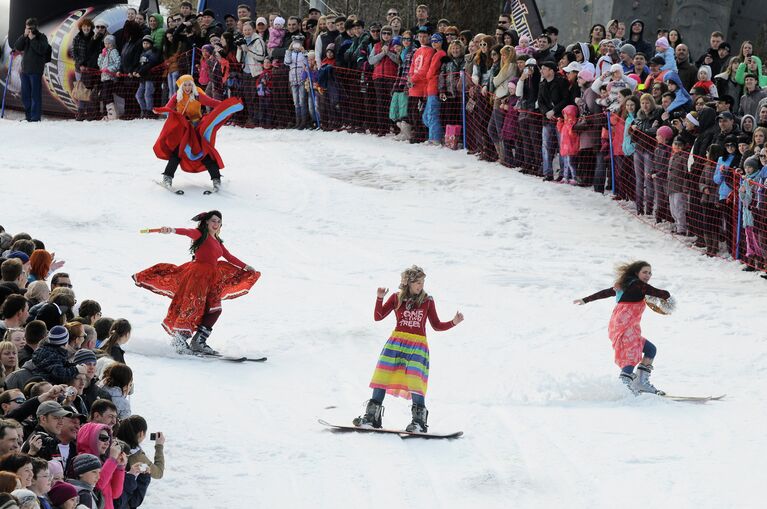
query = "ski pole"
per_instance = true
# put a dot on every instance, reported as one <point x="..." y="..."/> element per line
<point x="150" y="230"/>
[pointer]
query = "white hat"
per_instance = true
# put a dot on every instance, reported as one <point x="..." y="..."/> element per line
<point x="530" y="61"/>
<point x="616" y="68"/>
<point x="261" y="21"/>
<point x="279" y="22"/>
<point x="573" y="67"/>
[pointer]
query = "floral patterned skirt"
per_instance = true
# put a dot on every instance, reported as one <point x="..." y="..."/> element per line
<point x="196" y="288"/>
<point x="626" y="334"/>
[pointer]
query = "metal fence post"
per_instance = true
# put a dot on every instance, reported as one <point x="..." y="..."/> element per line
<point x="5" y="90"/>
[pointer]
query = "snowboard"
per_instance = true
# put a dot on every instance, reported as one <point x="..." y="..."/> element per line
<point x="400" y="432"/>
<point x="692" y="399"/>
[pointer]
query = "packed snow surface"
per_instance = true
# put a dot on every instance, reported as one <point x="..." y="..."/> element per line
<point x="329" y="217"/>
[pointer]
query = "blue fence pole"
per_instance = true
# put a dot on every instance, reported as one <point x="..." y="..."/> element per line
<point x="612" y="156"/>
<point x="463" y="108"/>
<point x="5" y="89"/>
<point x="194" y="54"/>
<point x="312" y="97"/>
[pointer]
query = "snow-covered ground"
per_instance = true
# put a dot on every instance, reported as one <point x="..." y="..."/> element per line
<point x="329" y="217"/>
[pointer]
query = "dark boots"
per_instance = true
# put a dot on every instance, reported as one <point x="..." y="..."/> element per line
<point x="373" y="417"/>
<point x="199" y="341"/>
<point x="420" y="416"/>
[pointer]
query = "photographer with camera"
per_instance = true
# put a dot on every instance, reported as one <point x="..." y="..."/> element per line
<point x="37" y="53"/>
<point x="43" y="442"/>
<point x="96" y="439"/>
<point x="140" y="470"/>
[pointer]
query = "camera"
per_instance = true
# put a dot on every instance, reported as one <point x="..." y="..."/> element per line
<point x="153" y="436"/>
<point x="70" y="392"/>
<point x="47" y="440"/>
<point x="239" y="40"/>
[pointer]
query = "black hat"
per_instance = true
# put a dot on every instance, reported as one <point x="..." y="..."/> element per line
<point x="725" y="114"/>
<point x="743" y="138"/>
<point x="209" y="12"/>
<point x="730" y="139"/>
<point x="752" y="162"/>
<point x="726" y="98"/>
<point x="725" y="45"/>
<point x="551" y="30"/>
<point x="314" y="9"/>
<point x="658" y="60"/>
<point x="550" y="64"/>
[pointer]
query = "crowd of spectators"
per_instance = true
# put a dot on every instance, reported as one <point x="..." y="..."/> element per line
<point x="679" y="133"/>
<point x="68" y="438"/>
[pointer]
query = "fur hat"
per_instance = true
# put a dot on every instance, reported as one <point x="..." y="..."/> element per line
<point x="411" y="275"/>
<point x="665" y="132"/>
<point x="279" y="22"/>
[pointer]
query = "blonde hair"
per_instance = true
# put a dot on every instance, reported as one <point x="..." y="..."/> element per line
<point x="762" y="130"/>
<point x="8" y="346"/>
<point x="408" y="276"/>
<point x="508" y="57"/>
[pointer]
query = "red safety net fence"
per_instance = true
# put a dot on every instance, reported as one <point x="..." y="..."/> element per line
<point x="718" y="206"/>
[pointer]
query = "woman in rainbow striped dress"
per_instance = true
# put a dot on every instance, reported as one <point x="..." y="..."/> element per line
<point x="403" y="366"/>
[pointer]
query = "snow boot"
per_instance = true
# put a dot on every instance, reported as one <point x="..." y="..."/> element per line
<point x="420" y="415"/>
<point x="373" y="417"/>
<point x="406" y="130"/>
<point x="179" y="343"/>
<point x="167" y="181"/>
<point x="642" y="381"/>
<point x="199" y="341"/>
<point x="627" y="379"/>
<point x="216" y="185"/>
<point x="398" y="137"/>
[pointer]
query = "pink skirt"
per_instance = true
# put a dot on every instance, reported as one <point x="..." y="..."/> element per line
<point x="626" y="333"/>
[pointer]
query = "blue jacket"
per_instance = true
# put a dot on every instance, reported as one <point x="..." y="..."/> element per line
<point x="51" y="363"/>
<point x="722" y="174"/>
<point x="682" y="99"/>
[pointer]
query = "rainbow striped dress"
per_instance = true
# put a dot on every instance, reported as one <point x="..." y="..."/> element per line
<point x="403" y="366"/>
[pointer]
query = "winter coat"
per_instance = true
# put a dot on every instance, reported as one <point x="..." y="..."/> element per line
<point x="618" y="129"/>
<point x="276" y="38"/>
<point x="640" y="44"/>
<point x="385" y="64"/>
<point x="130" y="56"/>
<point x="553" y="95"/>
<point x="51" y="362"/>
<point x="90" y="497"/>
<point x="158" y="34"/>
<point x="747" y="192"/>
<point x="569" y="144"/>
<point x="670" y="58"/>
<point x="726" y="85"/>
<point x="419" y="70"/>
<point x="252" y="54"/>
<point x="112" y="477"/>
<point x="120" y="400"/>
<point x="156" y="467"/>
<point x="682" y="100"/>
<point x="590" y="138"/>
<point x="134" y="491"/>
<point x="660" y="161"/>
<point x="722" y="175"/>
<point x="148" y="59"/>
<point x="80" y="49"/>
<point x="647" y="124"/>
<point x="109" y="63"/>
<point x="432" y="75"/>
<point x="706" y="183"/>
<point x="501" y="81"/>
<point x="749" y="102"/>
<point x="527" y="91"/>
<point x="628" y="145"/>
<point x="297" y="65"/>
<point x="36" y="52"/>
<point x="614" y="87"/>
<point x="677" y="173"/>
<point x="450" y="77"/>
<point x="706" y="131"/>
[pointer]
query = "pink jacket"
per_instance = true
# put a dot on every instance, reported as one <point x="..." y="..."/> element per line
<point x="112" y="476"/>
<point x="569" y="140"/>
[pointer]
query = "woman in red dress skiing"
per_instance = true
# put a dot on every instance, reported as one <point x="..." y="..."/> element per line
<point x="188" y="137"/>
<point x="403" y="366"/>
<point x="631" y="348"/>
<point x="198" y="287"/>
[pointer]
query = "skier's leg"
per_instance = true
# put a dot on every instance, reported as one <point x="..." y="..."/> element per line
<point x="642" y="381"/>
<point x="212" y="167"/>
<point x="210" y="318"/>
<point x="378" y="395"/>
<point x="419" y="413"/>
<point x="172" y="166"/>
<point x="627" y="376"/>
<point x="373" y="416"/>
<point x="649" y="352"/>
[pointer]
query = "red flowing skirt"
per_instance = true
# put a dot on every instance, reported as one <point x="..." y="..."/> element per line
<point x="626" y="334"/>
<point x="195" y="288"/>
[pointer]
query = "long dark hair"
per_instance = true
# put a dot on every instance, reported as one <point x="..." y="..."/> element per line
<point x="627" y="273"/>
<point x="202" y="226"/>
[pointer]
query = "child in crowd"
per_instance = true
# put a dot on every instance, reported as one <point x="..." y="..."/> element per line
<point x="330" y="95"/>
<point x="206" y="63"/>
<point x="659" y="173"/>
<point x="149" y="58"/>
<point x="265" y="115"/>
<point x="276" y="34"/>
<point x="312" y="87"/>
<point x="524" y="47"/>
<point x="747" y="194"/>
<point x="704" y="82"/>
<point x="297" y="63"/>
<point x="569" y="143"/>
<point x="664" y="49"/>
<point x="219" y="75"/>
<point x="677" y="185"/>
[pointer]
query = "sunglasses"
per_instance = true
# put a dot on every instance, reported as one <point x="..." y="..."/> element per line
<point x="22" y="400"/>
<point x="577" y="51"/>
<point x="483" y="45"/>
<point x="99" y="27"/>
<point x="104" y="438"/>
<point x="385" y="33"/>
<point x="392" y="14"/>
<point x="64" y="285"/>
<point x="375" y="30"/>
<point x="407" y="38"/>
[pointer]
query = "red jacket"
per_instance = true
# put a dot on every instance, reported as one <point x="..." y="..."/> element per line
<point x="419" y="69"/>
<point x="435" y="66"/>
<point x="569" y="140"/>
<point x="386" y="68"/>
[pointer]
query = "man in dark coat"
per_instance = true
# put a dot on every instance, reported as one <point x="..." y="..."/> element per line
<point x="37" y="53"/>
<point x="553" y="96"/>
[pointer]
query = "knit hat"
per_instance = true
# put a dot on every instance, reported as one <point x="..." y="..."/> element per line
<point x="110" y="39"/>
<point x="332" y="47"/>
<point x="436" y="38"/>
<point x="629" y="50"/>
<point x="21" y="255"/>
<point x="752" y="162"/>
<point x="662" y="43"/>
<point x="692" y="117"/>
<point x="58" y="335"/>
<point x="24" y="496"/>
<point x="208" y="48"/>
<point x="55" y="468"/>
<point x="84" y="463"/>
<point x="665" y="132"/>
<point x="616" y="68"/>
<point x="279" y="22"/>
<point x="261" y="21"/>
<point x="60" y="492"/>
<point x="586" y="75"/>
<point x="84" y="356"/>
<point x="147" y="38"/>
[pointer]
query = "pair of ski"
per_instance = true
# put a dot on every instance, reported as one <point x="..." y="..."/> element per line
<point x="400" y="432"/>
<point x="176" y="190"/>
<point x="692" y="399"/>
<point x="229" y="358"/>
